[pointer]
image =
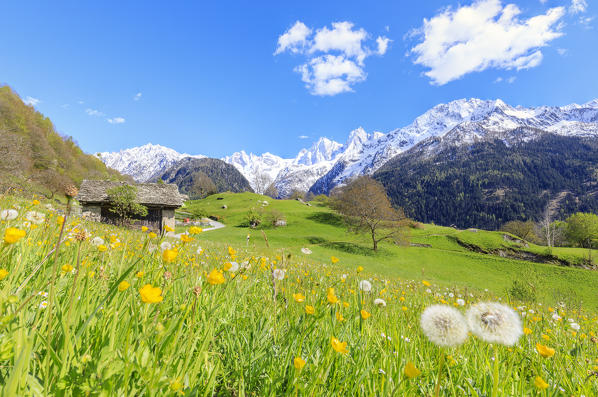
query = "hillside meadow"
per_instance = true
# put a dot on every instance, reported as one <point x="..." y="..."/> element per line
<point x="122" y="312"/>
<point x="437" y="253"/>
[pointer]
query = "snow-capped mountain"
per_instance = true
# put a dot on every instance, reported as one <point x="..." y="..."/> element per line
<point x="327" y="163"/>
<point x="143" y="162"/>
<point x="297" y="173"/>
<point x="459" y="122"/>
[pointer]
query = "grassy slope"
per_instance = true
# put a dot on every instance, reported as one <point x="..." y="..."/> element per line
<point x="445" y="261"/>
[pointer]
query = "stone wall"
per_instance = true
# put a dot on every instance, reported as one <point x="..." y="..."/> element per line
<point x="168" y="217"/>
<point x="92" y="212"/>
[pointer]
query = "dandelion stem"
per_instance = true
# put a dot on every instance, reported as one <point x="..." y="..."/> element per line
<point x="438" y="379"/>
<point x="495" y="374"/>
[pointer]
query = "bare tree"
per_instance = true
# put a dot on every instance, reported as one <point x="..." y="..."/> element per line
<point x="271" y="191"/>
<point x="202" y="186"/>
<point x="365" y="207"/>
<point x="261" y="182"/>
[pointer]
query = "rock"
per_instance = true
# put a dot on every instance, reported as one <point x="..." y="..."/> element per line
<point x="280" y="222"/>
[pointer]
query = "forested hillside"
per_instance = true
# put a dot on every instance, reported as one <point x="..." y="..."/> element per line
<point x="34" y="156"/>
<point x="199" y="177"/>
<point x="489" y="183"/>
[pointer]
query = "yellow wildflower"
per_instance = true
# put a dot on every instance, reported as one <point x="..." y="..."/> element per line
<point x="332" y="299"/>
<point x="364" y="314"/>
<point x="540" y="383"/>
<point x="67" y="268"/>
<point x="169" y="255"/>
<point x="310" y="309"/>
<point x="186" y="239"/>
<point x="168" y="228"/>
<point x="152" y="235"/>
<point x="334" y="259"/>
<point x="299" y="363"/>
<point x="527" y="331"/>
<point x="12" y="235"/>
<point x="215" y="277"/>
<point x="359" y="269"/>
<point x="123" y="285"/>
<point x="144" y="229"/>
<point x="3" y="274"/>
<point x="544" y="351"/>
<point x="338" y="346"/>
<point x="299" y="297"/>
<point x="151" y="294"/>
<point x="195" y="230"/>
<point x="426" y="283"/>
<point x="411" y="370"/>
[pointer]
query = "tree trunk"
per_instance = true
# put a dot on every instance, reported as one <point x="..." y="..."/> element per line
<point x="374" y="239"/>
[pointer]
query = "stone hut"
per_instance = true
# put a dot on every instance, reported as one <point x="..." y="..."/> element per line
<point x="160" y="199"/>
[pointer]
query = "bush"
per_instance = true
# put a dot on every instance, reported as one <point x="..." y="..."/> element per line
<point x="253" y="218"/>
<point x="522" y="291"/>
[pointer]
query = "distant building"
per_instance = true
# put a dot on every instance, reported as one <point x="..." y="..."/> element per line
<point x="160" y="199"/>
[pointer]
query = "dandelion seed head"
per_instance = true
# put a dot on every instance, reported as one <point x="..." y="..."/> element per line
<point x="365" y="286"/>
<point x="494" y="323"/>
<point x="444" y="325"/>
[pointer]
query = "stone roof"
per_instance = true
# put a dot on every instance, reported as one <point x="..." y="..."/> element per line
<point x="159" y="194"/>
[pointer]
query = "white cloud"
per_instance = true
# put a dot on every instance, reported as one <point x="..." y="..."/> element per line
<point x="498" y="80"/>
<point x="116" y="120"/>
<point x="303" y="137"/>
<point x="137" y="96"/>
<point x="382" y="44"/>
<point x="334" y="56"/>
<point x="578" y="6"/>
<point x="294" y="39"/>
<point x="80" y="102"/>
<point x="31" y="101"/>
<point x="330" y="75"/>
<point x="511" y="79"/>
<point x="561" y="51"/>
<point x="94" y="112"/>
<point x="481" y="36"/>
<point x="65" y="106"/>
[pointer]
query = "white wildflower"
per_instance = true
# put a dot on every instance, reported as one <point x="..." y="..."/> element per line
<point x="575" y="326"/>
<point x="306" y="251"/>
<point x="8" y="215"/>
<point x="494" y="323"/>
<point x="43" y="304"/>
<point x="234" y="267"/>
<point x="365" y="286"/>
<point x="380" y="302"/>
<point x="460" y="302"/>
<point x="165" y="245"/>
<point x="444" y="325"/>
<point x="278" y="274"/>
<point x="35" y="217"/>
<point x="97" y="241"/>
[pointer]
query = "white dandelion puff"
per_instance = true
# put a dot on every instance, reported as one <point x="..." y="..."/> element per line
<point x="380" y="302"/>
<point x="365" y="286"/>
<point x="278" y="274"/>
<point x="165" y="245"/>
<point x="8" y="215"/>
<point x="35" y="217"/>
<point x="234" y="267"/>
<point x="97" y="241"/>
<point x="444" y="325"/>
<point x="460" y="302"/>
<point x="494" y="323"/>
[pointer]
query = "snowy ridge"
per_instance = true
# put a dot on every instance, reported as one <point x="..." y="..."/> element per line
<point x="144" y="162"/>
<point x="327" y="163"/>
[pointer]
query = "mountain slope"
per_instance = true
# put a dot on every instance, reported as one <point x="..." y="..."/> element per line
<point x="34" y="156"/>
<point x="494" y="180"/>
<point x="145" y="162"/>
<point x="188" y="172"/>
<point x="473" y="117"/>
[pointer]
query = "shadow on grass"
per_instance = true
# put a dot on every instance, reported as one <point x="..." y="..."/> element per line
<point x="326" y="218"/>
<point x="350" y="248"/>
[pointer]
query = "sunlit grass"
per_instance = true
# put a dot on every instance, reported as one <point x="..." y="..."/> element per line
<point x="133" y="317"/>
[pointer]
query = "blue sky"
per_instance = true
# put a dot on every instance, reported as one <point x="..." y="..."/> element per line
<point x="218" y="77"/>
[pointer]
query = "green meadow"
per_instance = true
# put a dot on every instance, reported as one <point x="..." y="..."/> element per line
<point x="466" y="258"/>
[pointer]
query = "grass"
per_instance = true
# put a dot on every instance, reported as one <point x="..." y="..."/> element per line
<point x="205" y="330"/>
<point x="443" y="258"/>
